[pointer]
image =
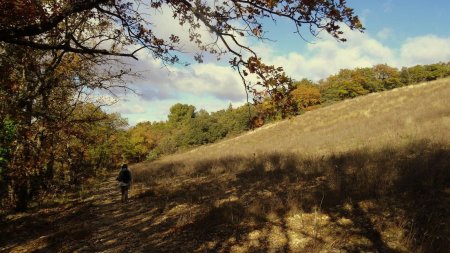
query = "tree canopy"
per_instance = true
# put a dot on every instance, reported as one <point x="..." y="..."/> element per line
<point x="123" y="27"/>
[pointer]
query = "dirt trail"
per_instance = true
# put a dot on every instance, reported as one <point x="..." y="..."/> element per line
<point x="100" y="223"/>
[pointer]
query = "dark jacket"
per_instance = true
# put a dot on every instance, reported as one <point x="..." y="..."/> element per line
<point x="124" y="176"/>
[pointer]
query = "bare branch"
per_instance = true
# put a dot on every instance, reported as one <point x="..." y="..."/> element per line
<point x="8" y="34"/>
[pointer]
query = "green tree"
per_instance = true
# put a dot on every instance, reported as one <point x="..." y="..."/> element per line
<point x="143" y="140"/>
<point x="366" y="77"/>
<point x="203" y="129"/>
<point x="388" y="76"/>
<point x="7" y="137"/>
<point x="437" y="70"/>
<point x="181" y="113"/>
<point x="236" y="120"/>
<point x="405" y="76"/>
<point x="341" y="86"/>
<point x="417" y="74"/>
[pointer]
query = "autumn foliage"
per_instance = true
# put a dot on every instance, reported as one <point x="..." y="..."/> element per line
<point x="123" y="28"/>
<point x="306" y="95"/>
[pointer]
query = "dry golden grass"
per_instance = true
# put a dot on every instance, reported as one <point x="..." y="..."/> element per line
<point x="387" y="118"/>
<point x="367" y="174"/>
<point x="370" y="174"/>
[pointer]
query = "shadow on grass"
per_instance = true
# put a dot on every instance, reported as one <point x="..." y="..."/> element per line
<point x="390" y="200"/>
<point x="404" y="189"/>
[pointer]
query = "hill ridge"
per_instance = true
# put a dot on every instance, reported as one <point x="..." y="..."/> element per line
<point x="431" y="93"/>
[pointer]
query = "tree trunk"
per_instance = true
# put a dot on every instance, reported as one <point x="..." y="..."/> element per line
<point x="22" y="196"/>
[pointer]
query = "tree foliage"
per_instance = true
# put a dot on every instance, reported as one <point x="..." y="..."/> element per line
<point x="185" y="128"/>
<point x="124" y="27"/>
<point x="44" y="95"/>
<point x="181" y="113"/>
<point x="351" y="83"/>
<point x="306" y="94"/>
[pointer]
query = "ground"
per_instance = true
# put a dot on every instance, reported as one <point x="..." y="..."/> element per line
<point x="98" y="223"/>
<point x="241" y="219"/>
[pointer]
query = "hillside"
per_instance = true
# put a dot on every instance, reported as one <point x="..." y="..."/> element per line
<point x="369" y="174"/>
<point x="384" y="118"/>
<point x="360" y="175"/>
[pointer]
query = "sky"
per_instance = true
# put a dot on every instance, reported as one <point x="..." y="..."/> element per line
<point x="398" y="33"/>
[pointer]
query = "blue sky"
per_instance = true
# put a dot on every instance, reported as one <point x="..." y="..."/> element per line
<point x="398" y="32"/>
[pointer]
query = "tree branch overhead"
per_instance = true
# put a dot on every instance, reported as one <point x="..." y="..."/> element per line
<point x="109" y="27"/>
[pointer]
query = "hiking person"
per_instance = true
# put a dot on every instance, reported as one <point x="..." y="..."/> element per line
<point x="124" y="179"/>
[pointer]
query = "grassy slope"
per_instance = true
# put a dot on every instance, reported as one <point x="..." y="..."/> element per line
<point x="392" y="117"/>
<point x="371" y="173"/>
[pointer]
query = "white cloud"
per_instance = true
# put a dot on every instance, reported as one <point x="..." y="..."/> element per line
<point x="210" y="79"/>
<point x="157" y="110"/>
<point x="425" y="50"/>
<point x="327" y="56"/>
<point x="157" y="82"/>
<point x="209" y="86"/>
<point x="128" y="108"/>
<point x="384" y="33"/>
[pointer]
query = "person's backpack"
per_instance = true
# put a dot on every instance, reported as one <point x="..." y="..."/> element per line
<point x="125" y="176"/>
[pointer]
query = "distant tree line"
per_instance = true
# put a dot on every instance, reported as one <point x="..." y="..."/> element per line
<point x="186" y="127"/>
<point x="306" y="95"/>
<point x="361" y="81"/>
